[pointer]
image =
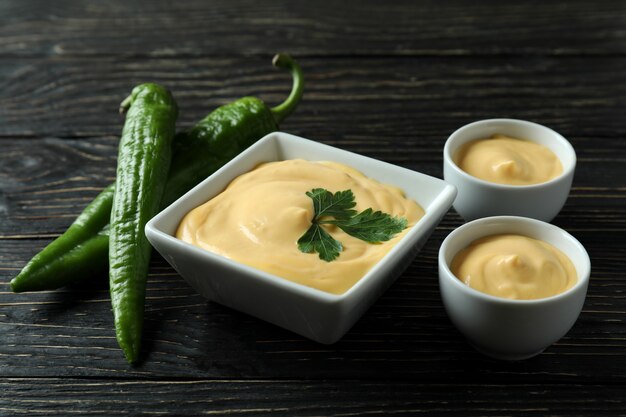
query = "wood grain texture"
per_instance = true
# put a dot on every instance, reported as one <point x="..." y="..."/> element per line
<point x="394" y="101"/>
<point x="62" y="397"/>
<point x="390" y="80"/>
<point x="224" y="27"/>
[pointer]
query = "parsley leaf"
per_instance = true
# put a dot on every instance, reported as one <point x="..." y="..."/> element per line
<point x="316" y="239"/>
<point x="368" y="225"/>
<point x="338" y="205"/>
<point x="371" y="226"/>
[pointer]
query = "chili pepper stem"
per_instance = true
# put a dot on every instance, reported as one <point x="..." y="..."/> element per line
<point x="125" y="104"/>
<point x="284" y="109"/>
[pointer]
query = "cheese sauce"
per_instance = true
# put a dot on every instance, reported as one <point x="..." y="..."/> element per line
<point x="515" y="267"/>
<point x="505" y="160"/>
<point x="258" y="219"/>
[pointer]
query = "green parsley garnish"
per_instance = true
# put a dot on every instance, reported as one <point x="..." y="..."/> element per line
<point x="368" y="225"/>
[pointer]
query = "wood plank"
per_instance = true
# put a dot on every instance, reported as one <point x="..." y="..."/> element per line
<point x="45" y="183"/>
<point x="56" y="397"/>
<point x="427" y="27"/>
<point x="406" y="334"/>
<point x="384" y="103"/>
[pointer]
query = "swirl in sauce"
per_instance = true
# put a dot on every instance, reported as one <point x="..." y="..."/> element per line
<point x="515" y="267"/>
<point x="505" y="160"/>
<point x="258" y="219"/>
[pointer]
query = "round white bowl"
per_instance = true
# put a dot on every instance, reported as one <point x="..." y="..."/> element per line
<point x="503" y="328"/>
<point x="479" y="198"/>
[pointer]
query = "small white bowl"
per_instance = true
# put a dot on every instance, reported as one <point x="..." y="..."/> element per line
<point x="503" y="328"/>
<point x="312" y="313"/>
<point x="479" y="198"/>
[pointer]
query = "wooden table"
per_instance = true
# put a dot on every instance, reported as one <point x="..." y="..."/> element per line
<point x="387" y="80"/>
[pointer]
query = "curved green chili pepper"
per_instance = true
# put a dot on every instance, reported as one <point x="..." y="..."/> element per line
<point x="142" y="166"/>
<point x="197" y="153"/>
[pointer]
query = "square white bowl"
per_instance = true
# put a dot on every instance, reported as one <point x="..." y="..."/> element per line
<point x="310" y="312"/>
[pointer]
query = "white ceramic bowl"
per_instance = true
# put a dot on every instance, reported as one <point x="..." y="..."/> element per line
<point x="479" y="198"/>
<point x="504" y="328"/>
<point x="312" y="313"/>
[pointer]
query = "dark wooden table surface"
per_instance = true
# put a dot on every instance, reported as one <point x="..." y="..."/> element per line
<point x="387" y="80"/>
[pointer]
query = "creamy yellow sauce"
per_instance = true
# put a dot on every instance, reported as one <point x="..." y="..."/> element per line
<point x="515" y="267"/>
<point x="505" y="160"/>
<point x="260" y="216"/>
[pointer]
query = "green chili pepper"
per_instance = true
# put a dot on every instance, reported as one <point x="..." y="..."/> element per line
<point x="142" y="165"/>
<point x="61" y="262"/>
<point x="83" y="249"/>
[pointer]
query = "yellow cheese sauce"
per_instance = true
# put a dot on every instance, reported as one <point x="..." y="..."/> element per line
<point x="515" y="267"/>
<point x="258" y="219"/>
<point x="505" y="160"/>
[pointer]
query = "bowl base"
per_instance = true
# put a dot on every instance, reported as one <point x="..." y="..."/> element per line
<point x="504" y="355"/>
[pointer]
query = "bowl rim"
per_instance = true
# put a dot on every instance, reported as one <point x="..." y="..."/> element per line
<point x="441" y="203"/>
<point x="583" y="275"/>
<point x="449" y="159"/>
